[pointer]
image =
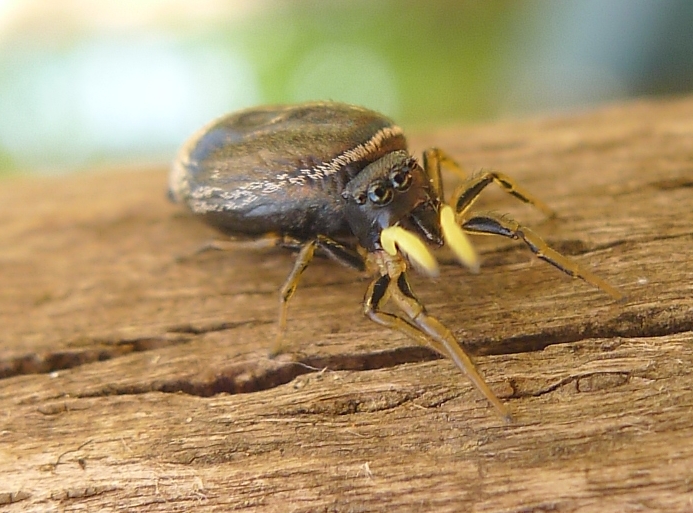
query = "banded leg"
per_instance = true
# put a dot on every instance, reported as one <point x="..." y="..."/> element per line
<point x="346" y="256"/>
<point x="490" y="224"/>
<point x="332" y="248"/>
<point x="268" y="241"/>
<point x="326" y="246"/>
<point x="467" y="193"/>
<point x="423" y="328"/>
<point x="376" y="296"/>
<point x="433" y="160"/>
<point x="304" y="257"/>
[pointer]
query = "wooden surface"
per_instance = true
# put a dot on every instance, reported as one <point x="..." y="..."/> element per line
<point x="134" y="380"/>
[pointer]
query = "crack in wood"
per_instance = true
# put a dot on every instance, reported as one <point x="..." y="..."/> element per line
<point x="194" y="329"/>
<point x="82" y="492"/>
<point x="625" y="325"/>
<point x="350" y="404"/>
<point x="584" y="383"/>
<point x="44" y="363"/>
<point x="12" y="497"/>
<point x="258" y="375"/>
<point x="673" y="183"/>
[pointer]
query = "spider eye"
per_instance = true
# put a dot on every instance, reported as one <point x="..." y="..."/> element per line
<point x="379" y="193"/>
<point x="400" y="179"/>
<point x="361" y="198"/>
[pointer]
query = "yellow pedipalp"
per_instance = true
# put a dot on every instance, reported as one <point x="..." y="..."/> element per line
<point x="396" y="238"/>
<point x="457" y="240"/>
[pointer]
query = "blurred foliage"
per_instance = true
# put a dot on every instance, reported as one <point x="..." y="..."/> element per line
<point x="421" y="62"/>
<point x="441" y="55"/>
<point x="122" y="82"/>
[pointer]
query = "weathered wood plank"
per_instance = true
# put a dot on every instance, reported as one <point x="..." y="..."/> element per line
<point x="122" y="365"/>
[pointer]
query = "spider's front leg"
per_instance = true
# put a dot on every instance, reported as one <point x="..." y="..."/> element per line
<point x="434" y="159"/>
<point x="490" y="224"/>
<point x="420" y="326"/>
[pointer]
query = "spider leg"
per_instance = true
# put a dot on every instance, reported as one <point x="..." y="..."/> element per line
<point x="345" y="255"/>
<point x="229" y="244"/>
<point x="304" y="257"/>
<point x="467" y="193"/>
<point x="423" y="328"/>
<point x="433" y="159"/>
<point x="490" y="224"/>
<point x="306" y="251"/>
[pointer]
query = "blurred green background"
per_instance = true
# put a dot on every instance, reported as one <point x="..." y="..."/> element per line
<point x="94" y="83"/>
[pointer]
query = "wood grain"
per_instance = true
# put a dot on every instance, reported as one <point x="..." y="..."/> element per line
<point x="132" y="379"/>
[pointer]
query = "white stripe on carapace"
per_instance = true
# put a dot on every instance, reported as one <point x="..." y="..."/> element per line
<point x="353" y="155"/>
<point x="199" y="198"/>
<point x="457" y="240"/>
<point x="394" y="238"/>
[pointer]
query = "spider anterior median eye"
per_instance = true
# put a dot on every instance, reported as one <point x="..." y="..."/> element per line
<point x="379" y="193"/>
<point x="400" y="179"/>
